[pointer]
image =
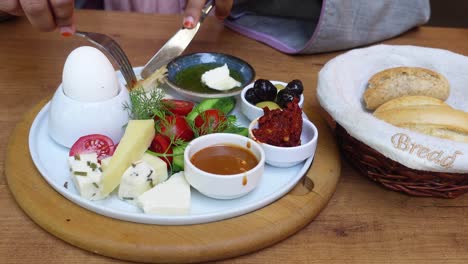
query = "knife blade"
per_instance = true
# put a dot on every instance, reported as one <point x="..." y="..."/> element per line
<point x="175" y="45"/>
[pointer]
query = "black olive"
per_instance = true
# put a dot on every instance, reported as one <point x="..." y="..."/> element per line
<point x="284" y="97"/>
<point x="295" y="87"/>
<point x="265" y="90"/>
<point x="251" y="97"/>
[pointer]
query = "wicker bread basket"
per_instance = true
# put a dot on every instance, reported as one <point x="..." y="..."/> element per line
<point x="396" y="176"/>
<point x="390" y="168"/>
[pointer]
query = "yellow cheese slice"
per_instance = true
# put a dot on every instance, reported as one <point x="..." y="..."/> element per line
<point x="135" y="141"/>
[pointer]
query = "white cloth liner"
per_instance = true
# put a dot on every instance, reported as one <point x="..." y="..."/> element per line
<point x="341" y="85"/>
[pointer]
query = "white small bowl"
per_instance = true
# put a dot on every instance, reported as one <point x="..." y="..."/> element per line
<point x="290" y="156"/>
<point x="253" y="112"/>
<point x="223" y="186"/>
<point x="70" y="119"/>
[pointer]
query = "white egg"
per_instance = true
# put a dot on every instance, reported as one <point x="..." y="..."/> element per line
<point x="88" y="76"/>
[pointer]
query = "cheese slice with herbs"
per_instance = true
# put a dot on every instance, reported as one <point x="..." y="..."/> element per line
<point x="135" y="141"/>
<point x="158" y="165"/>
<point x="86" y="175"/>
<point x="137" y="179"/>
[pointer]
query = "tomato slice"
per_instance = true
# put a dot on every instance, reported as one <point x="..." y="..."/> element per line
<point x="161" y="144"/>
<point x="176" y="127"/>
<point x="179" y="107"/>
<point x="210" y="121"/>
<point x="100" y="144"/>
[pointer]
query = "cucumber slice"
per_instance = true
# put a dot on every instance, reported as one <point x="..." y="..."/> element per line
<point x="243" y="131"/>
<point x="178" y="158"/>
<point x="225" y="105"/>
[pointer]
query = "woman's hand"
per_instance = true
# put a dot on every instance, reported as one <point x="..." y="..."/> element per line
<point x="46" y="15"/>
<point x="194" y="7"/>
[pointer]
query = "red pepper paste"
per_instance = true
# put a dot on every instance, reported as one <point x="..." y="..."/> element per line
<point x="280" y="127"/>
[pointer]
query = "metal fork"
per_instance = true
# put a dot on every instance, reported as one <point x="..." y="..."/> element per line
<point x="113" y="49"/>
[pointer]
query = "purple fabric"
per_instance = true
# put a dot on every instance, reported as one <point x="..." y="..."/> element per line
<point x="265" y="38"/>
<point x="317" y="28"/>
<point x="340" y="24"/>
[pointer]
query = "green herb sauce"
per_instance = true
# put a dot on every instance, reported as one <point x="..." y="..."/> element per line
<point x="190" y="78"/>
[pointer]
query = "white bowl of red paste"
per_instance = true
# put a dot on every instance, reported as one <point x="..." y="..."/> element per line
<point x="287" y="156"/>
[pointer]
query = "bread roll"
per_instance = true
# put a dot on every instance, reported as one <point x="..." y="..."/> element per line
<point x="417" y="114"/>
<point x="402" y="81"/>
<point x="411" y="101"/>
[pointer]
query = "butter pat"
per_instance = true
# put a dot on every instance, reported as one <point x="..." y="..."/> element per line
<point x="219" y="79"/>
<point x="171" y="197"/>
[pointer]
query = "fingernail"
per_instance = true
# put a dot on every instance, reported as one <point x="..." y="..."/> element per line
<point x="188" y="22"/>
<point x="67" y="31"/>
<point x="221" y="17"/>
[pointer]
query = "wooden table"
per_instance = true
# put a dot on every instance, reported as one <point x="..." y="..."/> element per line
<point x="363" y="222"/>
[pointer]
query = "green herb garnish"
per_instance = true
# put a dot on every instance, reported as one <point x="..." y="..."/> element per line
<point x="145" y="105"/>
<point x="92" y="165"/>
<point x="80" y="173"/>
<point x="151" y="182"/>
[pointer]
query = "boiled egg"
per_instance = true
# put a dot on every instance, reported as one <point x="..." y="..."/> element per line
<point x="90" y="99"/>
<point x="88" y="76"/>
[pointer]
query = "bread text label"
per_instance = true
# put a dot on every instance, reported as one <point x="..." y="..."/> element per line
<point x="403" y="142"/>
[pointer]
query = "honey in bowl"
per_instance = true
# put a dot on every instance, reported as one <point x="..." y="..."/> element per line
<point x="224" y="159"/>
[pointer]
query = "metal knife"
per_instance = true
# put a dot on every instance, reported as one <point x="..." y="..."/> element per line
<point x="176" y="45"/>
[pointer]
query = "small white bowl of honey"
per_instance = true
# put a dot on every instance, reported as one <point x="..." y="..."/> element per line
<point x="224" y="166"/>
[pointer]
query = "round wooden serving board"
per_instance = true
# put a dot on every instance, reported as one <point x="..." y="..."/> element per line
<point x="154" y="243"/>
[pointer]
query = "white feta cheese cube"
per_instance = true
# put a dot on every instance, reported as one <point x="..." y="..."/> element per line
<point x="84" y="162"/>
<point x="88" y="186"/>
<point x="137" y="179"/>
<point x="158" y="165"/>
<point x="86" y="174"/>
<point x="171" y="197"/>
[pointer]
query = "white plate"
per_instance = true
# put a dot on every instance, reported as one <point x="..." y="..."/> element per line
<point x="51" y="161"/>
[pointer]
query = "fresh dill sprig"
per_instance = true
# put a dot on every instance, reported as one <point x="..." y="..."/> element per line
<point x="145" y="105"/>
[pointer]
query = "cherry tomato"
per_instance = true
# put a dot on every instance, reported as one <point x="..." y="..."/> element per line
<point x="161" y="144"/>
<point x="209" y="121"/>
<point x="100" y="144"/>
<point x="179" y="107"/>
<point x="176" y="127"/>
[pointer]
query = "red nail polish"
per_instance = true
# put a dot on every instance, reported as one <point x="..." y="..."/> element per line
<point x="188" y="24"/>
<point x="66" y="34"/>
